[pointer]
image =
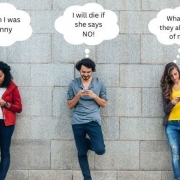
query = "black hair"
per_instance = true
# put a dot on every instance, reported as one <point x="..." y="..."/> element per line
<point x="6" y="70"/>
<point x="87" y="63"/>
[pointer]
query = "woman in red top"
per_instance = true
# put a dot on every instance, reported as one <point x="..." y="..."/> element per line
<point x="10" y="103"/>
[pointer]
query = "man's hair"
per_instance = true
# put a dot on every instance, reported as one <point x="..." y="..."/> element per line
<point x="6" y="70"/>
<point x="87" y="63"/>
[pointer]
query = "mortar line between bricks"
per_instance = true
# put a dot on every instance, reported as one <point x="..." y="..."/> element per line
<point x="51" y="48"/>
<point x="140" y="48"/>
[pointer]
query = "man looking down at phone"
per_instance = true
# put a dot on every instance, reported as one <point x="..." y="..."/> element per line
<point x="86" y="95"/>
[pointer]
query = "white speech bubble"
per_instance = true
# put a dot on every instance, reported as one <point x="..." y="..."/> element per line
<point x="14" y="25"/>
<point x="166" y="26"/>
<point x="89" y="24"/>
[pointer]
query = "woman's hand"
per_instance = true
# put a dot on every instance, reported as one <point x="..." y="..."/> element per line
<point x="2" y="102"/>
<point x="175" y="100"/>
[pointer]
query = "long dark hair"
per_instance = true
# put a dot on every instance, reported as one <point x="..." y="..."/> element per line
<point x="6" y="70"/>
<point x="166" y="82"/>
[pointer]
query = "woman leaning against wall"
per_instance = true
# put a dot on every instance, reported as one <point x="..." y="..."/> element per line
<point x="10" y="102"/>
<point x="170" y="84"/>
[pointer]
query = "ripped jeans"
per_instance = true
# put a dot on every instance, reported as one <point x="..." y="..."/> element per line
<point x="173" y="135"/>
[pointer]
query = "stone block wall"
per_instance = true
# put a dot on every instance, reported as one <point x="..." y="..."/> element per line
<point x="131" y="66"/>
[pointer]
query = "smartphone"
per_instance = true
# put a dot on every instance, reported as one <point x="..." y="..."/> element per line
<point x="85" y="88"/>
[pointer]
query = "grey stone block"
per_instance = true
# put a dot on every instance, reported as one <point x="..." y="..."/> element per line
<point x="60" y="102"/>
<point x="99" y="175"/>
<point x="3" y="53"/>
<point x="22" y="128"/>
<point x="64" y="52"/>
<point x="62" y="5"/>
<point x="141" y="129"/>
<point x="135" y="21"/>
<point x="20" y="148"/>
<point x="40" y="154"/>
<point x="121" y="5"/>
<point x="154" y="155"/>
<point x="123" y="102"/>
<point x="120" y="155"/>
<point x="153" y="52"/>
<point x="17" y="175"/>
<point x="137" y="175"/>
<point x="167" y="175"/>
<point x="78" y="175"/>
<point x="1" y="1"/>
<point x="34" y="154"/>
<point x="109" y="125"/>
<point x="51" y="74"/>
<point x="51" y="128"/>
<point x="50" y="175"/>
<point x="140" y="75"/>
<point x="159" y="5"/>
<point x="36" y="49"/>
<point x="104" y="175"/>
<point x="43" y="21"/>
<point x="152" y="102"/>
<point x="109" y="73"/>
<point x="31" y="4"/>
<point x="123" y="49"/>
<point x="37" y="101"/>
<point x="64" y="155"/>
<point x="21" y="74"/>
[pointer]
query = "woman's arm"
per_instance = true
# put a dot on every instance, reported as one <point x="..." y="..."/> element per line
<point x="167" y="105"/>
<point x="16" y="105"/>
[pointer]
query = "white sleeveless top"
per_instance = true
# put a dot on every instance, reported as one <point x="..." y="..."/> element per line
<point x="2" y="90"/>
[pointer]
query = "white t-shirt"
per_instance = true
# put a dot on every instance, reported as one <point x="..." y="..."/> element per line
<point x="2" y="90"/>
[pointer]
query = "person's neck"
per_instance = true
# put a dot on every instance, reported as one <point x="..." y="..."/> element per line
<point x="177" y="83"/>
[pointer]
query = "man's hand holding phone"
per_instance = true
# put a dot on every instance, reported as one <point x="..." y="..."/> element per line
<point x="85" y="89"/>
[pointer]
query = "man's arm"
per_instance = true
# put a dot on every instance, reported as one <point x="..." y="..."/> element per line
<point x="100" y="101"/>
<point x="72" y="102"/>
<point x="102" y="98"/>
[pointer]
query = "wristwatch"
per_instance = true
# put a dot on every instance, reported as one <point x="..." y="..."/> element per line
<point x="6" y="104"/>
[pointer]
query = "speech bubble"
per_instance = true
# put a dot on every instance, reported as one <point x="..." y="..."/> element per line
<point x="90" y="24"/>
<point x="166" y="26"/>
<point x="14" y="25"/>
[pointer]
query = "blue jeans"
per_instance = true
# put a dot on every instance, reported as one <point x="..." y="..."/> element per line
<point x="173" y="135"/>
<point x="5" y="142"/>
<point x="83" y="144"/>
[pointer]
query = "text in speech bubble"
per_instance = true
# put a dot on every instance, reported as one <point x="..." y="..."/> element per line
<point x="90" y="24"/>
<point x="166" y="26"/>
<point x="14" y="25"/>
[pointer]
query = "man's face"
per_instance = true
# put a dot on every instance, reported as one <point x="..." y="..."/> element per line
<point x="85" y="72"/>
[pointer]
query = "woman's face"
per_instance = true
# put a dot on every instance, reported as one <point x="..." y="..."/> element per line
<point x="174" y="75"/>
<point x="2" y="76"/>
